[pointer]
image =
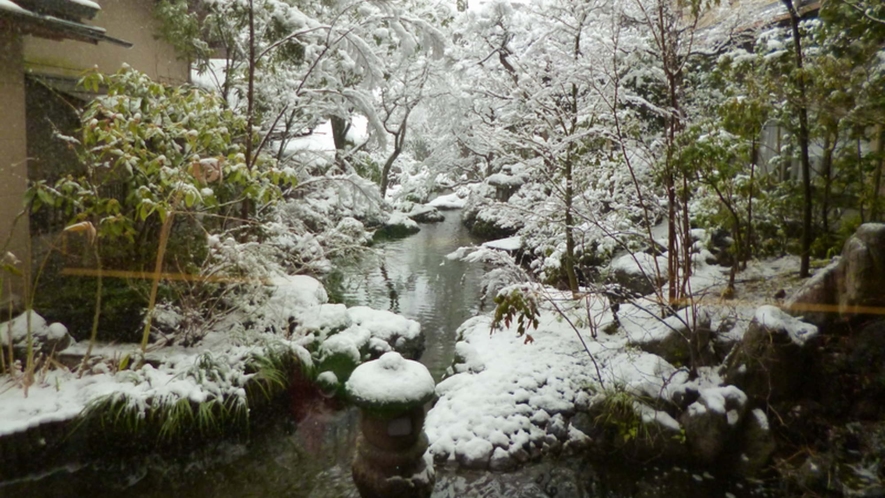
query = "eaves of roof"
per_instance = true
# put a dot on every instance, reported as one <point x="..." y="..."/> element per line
<point x="44" y="22"/>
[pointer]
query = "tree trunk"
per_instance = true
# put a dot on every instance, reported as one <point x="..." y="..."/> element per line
<point x="399" y="141"/>
<point x="754" y="160"/>
<point x="246" y="206"/>
<point x="569" y="229"/>
<point x="877" y="174"/>
<point x="340" y="127"/>
<point x="385" y="171"/>
<point x="827" y="174"/>
<point x="802" y="108"/>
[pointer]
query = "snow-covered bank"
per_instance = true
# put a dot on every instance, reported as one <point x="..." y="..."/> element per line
<point x="568" y="385"/>
<point x="183" y="391"/>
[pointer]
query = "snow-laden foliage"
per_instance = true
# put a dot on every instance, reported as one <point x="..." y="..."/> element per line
<point x="291" y="66"/>
<point x="150" y="151"/>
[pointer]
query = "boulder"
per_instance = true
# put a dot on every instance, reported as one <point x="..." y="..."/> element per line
<point x="426" y="214"/>
<point x="815" y="301"/>
<point x="397" y="226"/>
<point x="755" y="444"/>
<point x="849" y="287"/>
<point x="46" y="338"/>
<point x="769" y="363"/>
<point x="863" y="278"/>
<point x="636" y="272"/>
<point x="677" y="338"/>
<point x="710" y="421"/>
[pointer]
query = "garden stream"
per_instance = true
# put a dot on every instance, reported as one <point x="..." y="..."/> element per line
<point x="312" y="459"/>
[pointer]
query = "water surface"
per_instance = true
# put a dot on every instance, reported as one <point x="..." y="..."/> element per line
<point x="412" y="277"/>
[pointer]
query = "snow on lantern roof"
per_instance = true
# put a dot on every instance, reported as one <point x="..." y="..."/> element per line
<point x="390" y="382"/>
<point x="56" y="19"/>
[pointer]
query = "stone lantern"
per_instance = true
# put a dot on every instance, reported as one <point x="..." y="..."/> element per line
<point x="390" y="459"/>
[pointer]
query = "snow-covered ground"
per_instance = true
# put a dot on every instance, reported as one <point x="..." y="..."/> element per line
<point x="215" y="368"/>
<point x="510" y="397"/>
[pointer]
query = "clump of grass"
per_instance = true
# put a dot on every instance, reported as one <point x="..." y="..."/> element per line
<point x="272" y="370"/>
<point x="172" y="419"/>
<point x="617" y="411"/>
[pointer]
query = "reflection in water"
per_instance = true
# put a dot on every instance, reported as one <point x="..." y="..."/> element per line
<point x="391" y="290"/>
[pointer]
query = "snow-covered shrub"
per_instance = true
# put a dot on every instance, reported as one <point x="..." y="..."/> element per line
<point x="504" y="270"/>
<point x="149" y="151"/>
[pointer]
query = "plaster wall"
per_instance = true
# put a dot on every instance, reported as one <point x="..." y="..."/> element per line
<point x="129" y="20"/>
<point x="13" y="157"/>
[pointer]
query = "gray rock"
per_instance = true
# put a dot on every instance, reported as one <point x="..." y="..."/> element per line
<point x="863" y="258"/>
<point x="583" y="422"/>
<point x="710" y="421"/>
<point x="577" y="441"/>
<point x="769" y="364"/>
<point x="502" y="460"/>
<point x="815" y="301"/>
<point x="849" y="287"/>
<point x="46" y="338"/>
<point x="676" y="338"/>
<point x="636" y="272"/>
<point x="558" y="427"/>
<point x="551" y="445"/>
<point x="756" y="444"/>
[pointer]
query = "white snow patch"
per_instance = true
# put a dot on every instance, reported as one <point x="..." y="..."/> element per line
<point x="390" y="379"/>
<point x="775" y="318"/>
<point x="398" y="218"/>
<point x="385" y="325"/>
<point x="450" y="201"/>
<point x="12" y="7"/>
<point x="509" y="244"/>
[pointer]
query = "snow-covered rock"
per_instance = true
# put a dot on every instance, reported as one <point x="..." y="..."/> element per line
<point x="324" y="320"/>
<point x="467" y="359"/>
<point x="710" y="421"/>
<point x="425" y="214"/>
<point x="289" y="295"/>
<point x="46" y="338"/>
<point x="341" y="338"/>
<point x="397" y="225"/>
<point x="848" y="287"/>
<point x="402" y="334"/>
<point x="673" y="338"/>
<point x="637" y="273"/>
<point x="507" y="244"/>
<point x="476" y="453"/>
<point x="769" y="362"/>
<point x="449" y="201"/>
